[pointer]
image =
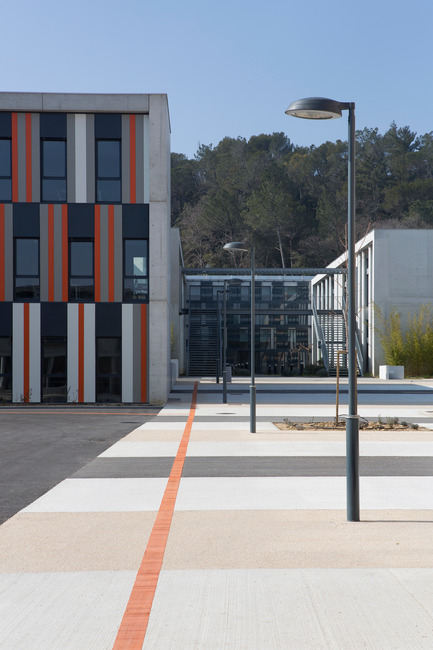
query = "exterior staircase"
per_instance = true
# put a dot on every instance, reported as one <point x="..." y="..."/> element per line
<point x="203" y="344"/>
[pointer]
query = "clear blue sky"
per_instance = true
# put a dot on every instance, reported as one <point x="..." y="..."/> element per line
<point x="230" y="68"/>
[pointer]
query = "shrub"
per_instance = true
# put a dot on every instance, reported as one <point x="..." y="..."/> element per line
<point x="413" y="348"/>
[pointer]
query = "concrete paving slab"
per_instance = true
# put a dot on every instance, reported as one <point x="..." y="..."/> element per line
<point x="41" y="611"/>
<point x="142" y="449"/>
<point x="271" y="609"/>
<point x="102" y="495"/>
<point x="301" y="493"/>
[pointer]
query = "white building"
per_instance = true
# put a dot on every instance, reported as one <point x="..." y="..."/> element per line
<point x="394" y="269"/>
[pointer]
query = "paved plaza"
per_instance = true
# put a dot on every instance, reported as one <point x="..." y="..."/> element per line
<point x="191" y="532"/>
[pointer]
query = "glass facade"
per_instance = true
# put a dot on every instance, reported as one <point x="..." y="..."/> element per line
<point x="5" y="170"/>
<point x="53" y="176"/>
<point x="27" y="269"/>
<point x="281" y="327"/>
<point x="108" y="171"/>
<point x="81" y="270"/>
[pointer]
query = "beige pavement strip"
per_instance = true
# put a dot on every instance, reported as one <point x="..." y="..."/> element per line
<point x="50" y="542"/>
<point x="202" y="433"/>
<point x="173" y="434"/>
<point x="300" y="539"/>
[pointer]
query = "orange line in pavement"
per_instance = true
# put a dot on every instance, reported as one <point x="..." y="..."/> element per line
<point x="133" y="627"/>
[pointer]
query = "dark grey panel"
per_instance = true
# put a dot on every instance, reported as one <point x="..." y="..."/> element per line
<point x="108" y="319"/>
<point x="135" y="221"/>
<point x="53" y="125"/>
<point x="36" y="159"/>
<point x="44" y="253"/>
<point x="81" y="220"/>
<point x="108" y="125"/>
<point x="26" y="219"/>
<point x="5" y="319"/>
<point x="70" y="162"/>
<point x="53" y="319"/>
<point x="5" y="125"/>
<point x="125" y="159"/>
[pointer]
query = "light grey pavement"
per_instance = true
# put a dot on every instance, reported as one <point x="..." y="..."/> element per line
<point x="259" y="554"/>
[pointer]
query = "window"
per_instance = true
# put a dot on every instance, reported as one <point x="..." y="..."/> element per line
<point x="53" y="165"/>
<point x="108" y="369"/>
<point x="136" y="283"/>
<point x="81" y="270"/>
<point x="26" y="269"/>
<point x="108" y="177"/>
<point x="5" y="369"/>
<point x="5" y="170"/>
<point x="54" y="382"/>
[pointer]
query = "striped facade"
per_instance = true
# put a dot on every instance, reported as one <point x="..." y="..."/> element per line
<point x="137" y="216"/>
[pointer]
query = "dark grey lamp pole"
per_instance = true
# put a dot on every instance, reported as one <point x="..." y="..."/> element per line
<point x="242" y="246"/>
<point x="320" y="108"/>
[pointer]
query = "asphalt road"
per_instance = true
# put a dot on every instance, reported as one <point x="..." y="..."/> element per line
<point x="39" y="447"/>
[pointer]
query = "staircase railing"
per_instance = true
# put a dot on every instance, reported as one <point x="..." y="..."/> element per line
<point x="319" y="333"/>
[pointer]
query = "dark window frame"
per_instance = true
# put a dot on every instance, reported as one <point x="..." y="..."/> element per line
<point x="7" y="375"/>
<point x="17" y="276"/>
<point x="54" y="375"/>
<point x="51" y="177"/>
<point x="130" y="277"/>
<point x="105" y="376"/>
<point x="8" y="177"/>
<point x="98" y="178"/>
<point x="72" y="276"/>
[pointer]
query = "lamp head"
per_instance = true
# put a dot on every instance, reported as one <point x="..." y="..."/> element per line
<point x="315" y="108"/>
<point x="236" y="246"/>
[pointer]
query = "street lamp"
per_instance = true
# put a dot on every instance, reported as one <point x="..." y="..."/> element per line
<point x="320" y="108"/>
<point x="242" y="246"/>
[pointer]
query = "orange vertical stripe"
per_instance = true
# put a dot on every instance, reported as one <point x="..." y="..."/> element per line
<point x="97" y="253"/>
<point x="28" y="157"/>
<point x="2" y="251"/>
<point x="81" y="352"/>
<point x="65" y="263"/>
<point x="14" y="157"/>
<point x="136" y="617"/>
<point x="111" y="253"/>
<point x="132" y="160"/>
<point x="143" y="353"/>
<point x="26" y="342"/>
<point x="50" y="252"/>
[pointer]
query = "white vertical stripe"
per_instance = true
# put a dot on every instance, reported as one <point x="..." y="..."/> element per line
<point x="18" y="352"/>
<point x="146" y="156"/>
<point x="72" y="361"/>
<point x="127" y="353"/>
<point x="35" y="352"/>
<point x="80" y="159"/>
<point x="89" y="353"/>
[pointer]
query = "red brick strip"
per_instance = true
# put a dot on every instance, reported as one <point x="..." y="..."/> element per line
<point x="133" y="627"/>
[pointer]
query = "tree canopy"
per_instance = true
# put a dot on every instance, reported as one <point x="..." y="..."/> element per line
<point x="292" y="201"/>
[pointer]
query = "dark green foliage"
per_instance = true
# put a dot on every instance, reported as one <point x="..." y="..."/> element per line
<point x="292" y="201"/>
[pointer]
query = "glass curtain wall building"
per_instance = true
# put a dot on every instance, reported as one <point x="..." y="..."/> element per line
<point x="283" y="317"/>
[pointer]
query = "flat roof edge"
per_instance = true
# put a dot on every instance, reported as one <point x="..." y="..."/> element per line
<point x="78" y="102"/>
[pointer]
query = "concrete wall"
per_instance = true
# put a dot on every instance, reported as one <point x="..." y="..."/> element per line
<point x="159" y="249"/>
<point x="402" y="276"/>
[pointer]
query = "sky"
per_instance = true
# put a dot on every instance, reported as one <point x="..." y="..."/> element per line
<point x="232" y="67"/>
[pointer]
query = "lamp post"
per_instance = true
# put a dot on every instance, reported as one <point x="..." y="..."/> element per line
<point x="320" y="108"/>
<point x="242" y="246"/>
